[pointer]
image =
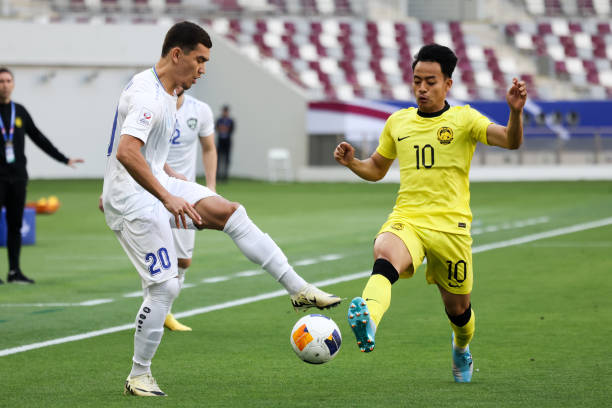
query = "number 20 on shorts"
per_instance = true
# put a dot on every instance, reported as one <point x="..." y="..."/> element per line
<point x="162" y="256"/>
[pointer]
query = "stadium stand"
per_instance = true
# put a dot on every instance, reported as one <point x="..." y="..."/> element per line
<point x="585" y="8"/>
<point x="344" y="59"/>
<point x="578" y="51"/>
<point x="348" y="59"/>
<point x="329" y="49"/>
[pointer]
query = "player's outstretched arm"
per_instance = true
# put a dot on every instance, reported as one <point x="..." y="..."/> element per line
<point x="511" y="135"/>
<point x="209" y="158"/>
<point x="373" y="168"/>
<point x="129" y="155"/>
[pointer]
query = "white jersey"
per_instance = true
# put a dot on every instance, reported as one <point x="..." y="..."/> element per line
<point x="194" y="119"/>
<point x="145" y="111"/>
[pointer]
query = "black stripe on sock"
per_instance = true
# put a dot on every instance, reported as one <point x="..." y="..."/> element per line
<point x="462" y="319"/>
<point x="386" y="269"/>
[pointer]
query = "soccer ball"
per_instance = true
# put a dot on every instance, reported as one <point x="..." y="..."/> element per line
<point x="316" y="339"/>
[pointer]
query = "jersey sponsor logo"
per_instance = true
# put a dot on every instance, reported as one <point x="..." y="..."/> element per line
<point x="397" y="226"/>
<point x="192" y="123"/>
<point x="145" y="117"/>
<point x="445" y="135"/>
<point x="399" y="139"/>
<point x="18" y="122"/>
<point x="461" y="225"/>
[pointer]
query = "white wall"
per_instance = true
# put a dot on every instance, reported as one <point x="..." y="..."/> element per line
<point x="74" y="113"/>
<point x="52" y="64"/>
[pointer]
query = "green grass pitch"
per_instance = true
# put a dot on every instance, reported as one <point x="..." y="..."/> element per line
<point x="543" y="308"/>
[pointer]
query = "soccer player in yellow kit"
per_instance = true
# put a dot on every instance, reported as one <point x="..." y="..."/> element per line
<point x="431" y="218"/>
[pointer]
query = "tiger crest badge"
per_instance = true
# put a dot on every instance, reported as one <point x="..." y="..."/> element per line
<point x="445" y="135"/>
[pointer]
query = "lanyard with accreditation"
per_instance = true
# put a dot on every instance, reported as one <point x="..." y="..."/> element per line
<point x="8" y="140"/>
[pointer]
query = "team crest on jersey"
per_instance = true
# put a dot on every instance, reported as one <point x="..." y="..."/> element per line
<point x="445" y="135"/>
<point x="18" y="122"/>
<point x="192" y="123"/>
<point x="397" y="226"/>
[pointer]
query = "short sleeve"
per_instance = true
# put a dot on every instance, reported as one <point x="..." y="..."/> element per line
<point x="207" y="121"/>
<point x="477" y="125"/>
<point x="386" y="144"/>
<point x="141" y="116"/>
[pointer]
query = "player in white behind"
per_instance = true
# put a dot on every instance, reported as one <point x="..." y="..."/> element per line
<point x="143" y="198"/>
<point x="194" y="122"/>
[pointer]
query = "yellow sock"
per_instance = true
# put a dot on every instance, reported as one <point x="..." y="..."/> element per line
<point x="464" y="334"/>
<point x="377" y="294"/>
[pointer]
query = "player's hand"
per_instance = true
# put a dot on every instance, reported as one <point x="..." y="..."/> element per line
<point x="72" y="162"/>
<point x="179" y="207"/>
<point x="100" y="205"/>
<point x="344" y="153"/>
<point x="173" y="173"/>
<point x="517" y="95"/>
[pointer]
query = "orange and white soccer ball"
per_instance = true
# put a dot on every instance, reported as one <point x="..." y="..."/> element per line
<point x="316" y="339"/>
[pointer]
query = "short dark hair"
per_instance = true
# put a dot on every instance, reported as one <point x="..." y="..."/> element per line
<point x="440" y="54"/>
<point x="5" y="69"/>
<point x="187" y="36"/>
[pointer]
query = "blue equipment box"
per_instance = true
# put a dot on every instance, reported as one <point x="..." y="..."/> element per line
<point x="28" y="228"/>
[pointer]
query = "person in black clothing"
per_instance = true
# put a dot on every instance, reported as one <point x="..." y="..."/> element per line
<point x="224" y="127"/>
<point x="15" y="122"/>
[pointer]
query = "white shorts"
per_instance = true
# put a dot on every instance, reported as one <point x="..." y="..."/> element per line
<point x="184" y="241"/>
<point x="148" y="240"/>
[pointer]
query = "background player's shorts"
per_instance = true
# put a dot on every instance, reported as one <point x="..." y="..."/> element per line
<point x="449" y="256"/>
<point x="184" y="241"/>
<point x="147" y="238"/>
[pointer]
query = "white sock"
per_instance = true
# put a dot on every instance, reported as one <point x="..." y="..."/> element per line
<point x="262" y="250"/>
<point x="459" y="349"/>
<point x="181" y="275"/>
<point x="150" y="323"/>
<point x="139" y="369"/>
<point x="181" y="278"/>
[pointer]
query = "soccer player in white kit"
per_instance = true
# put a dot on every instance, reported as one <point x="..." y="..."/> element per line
<point x="143" y="199"/>
<point x="194" y="122"/>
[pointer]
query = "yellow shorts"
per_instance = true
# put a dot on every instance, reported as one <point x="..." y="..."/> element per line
<point x="449" y="256"/>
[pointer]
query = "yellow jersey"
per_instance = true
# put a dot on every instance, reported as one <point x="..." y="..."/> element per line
<point x="434" y="153"/>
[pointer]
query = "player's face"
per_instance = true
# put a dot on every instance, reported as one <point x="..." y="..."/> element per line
<point x="192" y="66"/>
<point x="430" y="86"/>
<point x="6" y="86"/>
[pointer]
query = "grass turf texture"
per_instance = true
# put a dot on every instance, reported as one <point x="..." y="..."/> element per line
<point x="542" y="308"/>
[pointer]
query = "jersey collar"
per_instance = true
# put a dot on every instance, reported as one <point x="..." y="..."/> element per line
<point x="434" y="114"/>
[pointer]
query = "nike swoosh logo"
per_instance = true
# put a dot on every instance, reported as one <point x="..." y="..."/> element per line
<point x="399" y="139"/>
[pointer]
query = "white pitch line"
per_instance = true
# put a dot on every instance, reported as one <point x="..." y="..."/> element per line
<point x="327" y="282"/>
<point x="215" y="279"/>
<point x="252" y="272"/>
<point x="509" y="225"/>
<point x="543" y="235"/>
<point x="92" y="302"/>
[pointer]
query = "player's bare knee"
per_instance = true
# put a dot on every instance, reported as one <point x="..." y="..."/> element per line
<point x="456" y="308"/>
<point x="230" y="210"/>
<point x="184" y="263"/>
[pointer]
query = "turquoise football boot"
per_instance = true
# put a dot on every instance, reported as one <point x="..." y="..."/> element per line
<point x="362" y="325"/>
<point x="462" y="363"/>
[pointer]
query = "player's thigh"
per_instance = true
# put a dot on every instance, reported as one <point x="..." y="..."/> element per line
<point x="399" y="242"/>
<point x="148" y="243"/>
<point x="196" y="194"/>
<point x="184" y="241"/>
<point x="449" y="261"/>
<point x="190" y="191"/>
